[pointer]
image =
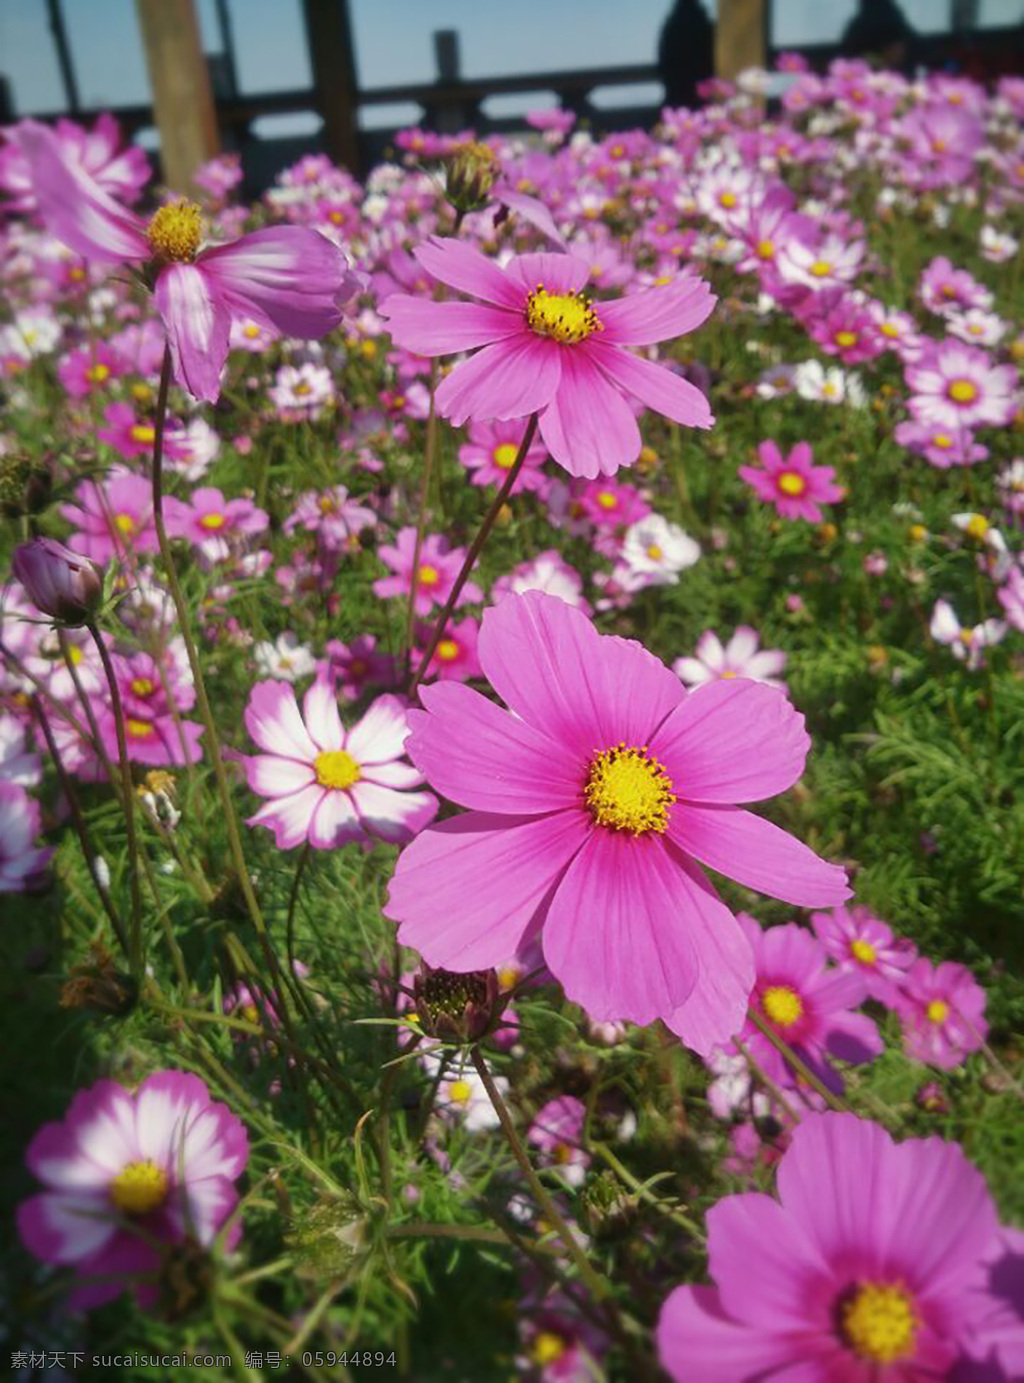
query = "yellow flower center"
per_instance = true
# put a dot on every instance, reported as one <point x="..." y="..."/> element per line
<point x="937" y="1011"/>
<point x="75" y="654"/>
<point x="963" y="391"/>
<point x="428" y="575"/>
<point x="765" y="249"/>
<point x="863" y="951"/>
<point x="782" y="1005"/>
<point x="821" y="268"/>
<point x="142" y="686"/>
<point x="654" y="552"/>
<point x="212" y="521"/>
<point x="977" y="527"/>
<point x="942" y="440"/>
<point x="142" y="392"/>
<point x="728" y="675"/>
<point x="918" y="532"/>
<point x="175" y="232"/>
<point x="250" y="1013"/>
<point x="547" y="1348"/>
<point x="251" y="330"/>
<point x="139" y="729"/>
<point x="139" y="1188"/>
<point x="566" y="317"/>
<point x="727" y="199"/>
<point x="336" y="769"/>
<point x="889" y="329"/>
<point x="302" y="389"/>
<point x="880" y="1323"/>
<point x="791" y="483"/>
<point x="627" y="790"/>
<point x="460" y="1091"/>
<point x="447" y="650"/>
<point x="607" y="500"/>
<point x="124" y="523"/>
<point x="846" y="338"/>
<point x="142" y="432"/>
<point x="504" y="456"/>
<point x="508" y="977"/>
<point x="96" y="374"/>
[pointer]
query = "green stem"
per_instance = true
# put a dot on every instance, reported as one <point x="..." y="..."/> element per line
<point x="799" y="1066"/>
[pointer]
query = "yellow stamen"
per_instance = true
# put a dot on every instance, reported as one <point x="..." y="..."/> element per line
<point x="447" y="650"/>
<point x="846" y="339"/>
<point x="124" y="523"/>
<point x="863" y="951"/>
<point x="727" y="199"/>
<point x="336" y="769"/>
<point x="302" y="389"/>
<point x="142" y="432"/>
<point x="428" y="575"/>
<point x="791" y="483"/>
<point x="176" y="231"/>
<point x="607" y="500"/>
<point x="880" y="1323"/>
<point x="977" y="527"/>
<point x="889" y="329"/>
<point x="75" y="654"/>
<point x="565" y="317"/>
<point x="654" y="552"/>
<point x="942" y="440"/>
<point x="139" y="729"/>
<point x="937" y="1011"/>
<point x="963" y="391"/>
<point x="212" y="521"/>
<point x="504" y="455"/>
<point x="547" y="1348"/>
<point x="821" y="268"/>
<point x="766" y="249"/>
<point x="142" y="686"/>
<point x="139" y="1188"/>
<point x="627" y="790"/>
<point x="782" y="1006"/>
<point x="251" y="330"/>
<point x="96" y="374"/>
<point x="460" y="1091"/>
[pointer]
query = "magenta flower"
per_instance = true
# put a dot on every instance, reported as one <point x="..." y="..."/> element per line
<point x="121" y="171"/>
<point x="115" y="516"/>
<point x="290" y="278"/>
<point x="455" y="657"/>
<point x="740" y="657"/>
<point x="941" y="447"/>
<point x="438" y="568"/>
<point x="491" y="451"/>
<point x="957" y="387"/>
<point x="326" y="784"/>
<point x="151" y="693"/>
<point x="333" y="515"/>
<point x="123" y="1170"/>
<point x="591" y="805"/>
<point x="547" y="348"/>
<point x="557" y="1134"/>
<point x="609" y="505"/>
<point x="863" y="1270"/>
<point x="942" y="1009"/>
<point x="21" y="862"/>
<point x="219" y="526"/>
<point x="793" y="483"/>
<point x="807" y="1004"/>
<point x="131" y="436"/>
<point x="858" y="941"/>
<point x="89" y="369"/>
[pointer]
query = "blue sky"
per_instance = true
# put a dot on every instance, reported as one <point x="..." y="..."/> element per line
<point x="392" y="39"/>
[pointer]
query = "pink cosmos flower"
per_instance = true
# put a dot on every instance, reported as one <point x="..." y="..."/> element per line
<point x="557" y="1133"/>
<point x="946" y="290"/>
<point x="862" y="1271"/>
<point x="115" y="516"/>
<point x="741" y="657"/>
<point x="150" y="694"/>
<point x="1011" y="597"/>
<point x="491" y="452"/>
<point x="332" y="514"/>
<point x="326" y="784"/>
<point x="942" y="1009"/>
<point x="857" y="940"/>
<point x="438" y="568"/>
<point x="455" y="658"/>
<point x="808" y="1004"/>
<point x="547" y="348"/>
<point x="547" y="572"/>
<point x="125" y="1173"/>
<point x="793" y="483"/>
<point x="358" y="665"/>
<point x="941" y="447"/>
<point x="290" y="278"/>
<point x="996" y="1343"/>
<point x="957" y="386"/>
<point x="590" y="807"/>
<point x="89" y="369"/>
<point x="121" y="171"/>
<point x="218" y="526"/>
<point x="21" y="862"/>
<point x="131" y="436"/>
<point x="609" y="505"/>
<point x="966" y="643"/>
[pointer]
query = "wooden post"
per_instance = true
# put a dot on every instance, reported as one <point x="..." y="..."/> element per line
<point x="740" y="36"/>
<point x="182" y="98"/>
<point x="334" y="77"/>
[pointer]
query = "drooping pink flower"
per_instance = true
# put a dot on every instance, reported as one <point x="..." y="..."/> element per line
<point x="740" y="657"/>
<point x="326" y="784"/>
<point x="792" y="483"/>
<point x="21" y="861"/>
<point x="438" y="568"/>
<point x="942" y="1009"/>
<point x="491" y="451"/>
<point x="590" y="807"/>
<point x="125" y="1173"/>
<point x="857" y="940"/>
<point x="547" y="348"/>
<point x="290" y="278"/>
<point x="809" y="1005"/>
<point x="863" y="1270"/>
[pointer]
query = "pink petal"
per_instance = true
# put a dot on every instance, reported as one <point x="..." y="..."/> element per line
<point x="273" y="720"/>
<point x="380" y="734"/>
<point x="716" y="1008"/>
<point x="754" y="1228"/>
<point x="391" y="815"/>
<point x="588" y="426"/>
<point x="64" y="1228"/>
<point x="657" y="314"/>
<point x="274" y="777"/>
<point x="198" y="326"/>
<point x="480" y="756"/>
<point x="655" y="386"/>
<point x="462" y="266"/>
<point x="320" y="713"/>
<point x="531" y="210"/>
<point x="73" y="206"/>
<point x="758" y="855"/>
<point x="467" y="889"/>
<point x="431" y="328"/>
<point x="698" y="1342"/>
<point x="290" y="277"/>
<point x="334" y="821"/>
<point x="508" y="379"/>
<point x="733" y="741"/>
<point x="615" y="935"/>
<point x="583" y="690"/>
<point x="559" y="273"/>
<point x="289" y="818"/>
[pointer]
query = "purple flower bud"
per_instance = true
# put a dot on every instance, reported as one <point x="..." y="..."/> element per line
<point x="61" y="584"/>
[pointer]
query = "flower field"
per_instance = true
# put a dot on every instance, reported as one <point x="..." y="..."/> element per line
<point x="511" y="832"/>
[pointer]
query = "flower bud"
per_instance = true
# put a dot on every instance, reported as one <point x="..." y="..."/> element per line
<point x="455" y="1008"/>
<point x="61" y="584"/>
<point x="472" y="170"/>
